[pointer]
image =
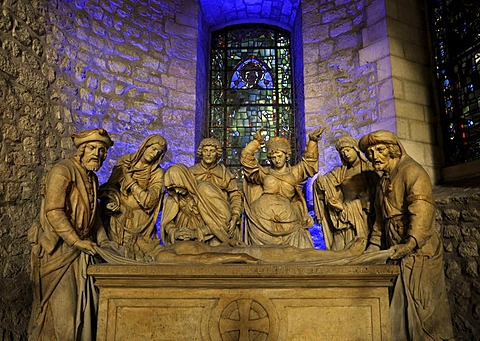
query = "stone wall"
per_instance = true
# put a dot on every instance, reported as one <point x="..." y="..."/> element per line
<point x="458" y="218"/>
<point x="396" y="40"/>
<point x="128" y="66"/>
<point x="131" y="67"/>
<point x="413" y="84"/>
<point x="29" y="139"/>
<point x="340" y="94"/>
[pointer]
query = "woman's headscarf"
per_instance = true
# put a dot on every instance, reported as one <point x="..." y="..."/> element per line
<point x="351" y="142"/>
<point x="152" y="139"/>
<point x="278" y="144"/>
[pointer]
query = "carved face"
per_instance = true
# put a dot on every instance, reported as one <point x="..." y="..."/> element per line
<point x="151" y="153"/>
<point x="379" y="155"/>
<point x="278" y="159"/>
<point x="349" y="155"/>
<point x="209" y="155"/>
<point x="95" y="153"/>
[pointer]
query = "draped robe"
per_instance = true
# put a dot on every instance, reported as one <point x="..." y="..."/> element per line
<point x="139" y="206"/>
<point x="274" y="203"/>
<point x="205" y="208"/>
<point x="340" y="228"/>
<point x="65" y="299"/>
<point x="405" y="208"/>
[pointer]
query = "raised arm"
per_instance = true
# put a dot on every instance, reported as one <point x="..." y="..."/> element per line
<point x="311" y="149"/>
<point x="248" y="153"/>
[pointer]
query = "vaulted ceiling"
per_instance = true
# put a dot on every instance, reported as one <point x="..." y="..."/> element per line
<point x="220" y="13"/>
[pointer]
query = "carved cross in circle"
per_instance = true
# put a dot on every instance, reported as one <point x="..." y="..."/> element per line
<point x="244" y="320"/>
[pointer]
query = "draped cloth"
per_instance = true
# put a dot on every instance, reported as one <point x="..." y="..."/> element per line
<point x="192" y="252"/>
<point x="406" y="209"/>
<point x="276" y="211"/>
<point x="205" y="209"/>
<point x="139" y="199"/>
<point x="221" y="177"/>
<point x="65" y="299"/>
<point x="357" y="196"/>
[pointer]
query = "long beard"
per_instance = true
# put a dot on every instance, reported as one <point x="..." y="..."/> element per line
<point x="92" y="165"/>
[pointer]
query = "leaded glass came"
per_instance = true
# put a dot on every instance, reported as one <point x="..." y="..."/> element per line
<point x="250" y="88"/>
<point x="457" y="54"/>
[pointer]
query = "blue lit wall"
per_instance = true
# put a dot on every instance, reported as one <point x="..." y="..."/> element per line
<point x="141" y="68"/>
<point x="220" y="13"/>
<point x="128" y="67"/>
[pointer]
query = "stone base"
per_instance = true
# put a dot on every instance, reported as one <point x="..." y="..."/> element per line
<point x="243" y="302"/>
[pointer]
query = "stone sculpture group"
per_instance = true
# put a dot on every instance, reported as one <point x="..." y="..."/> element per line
<point x="379" y="199"/>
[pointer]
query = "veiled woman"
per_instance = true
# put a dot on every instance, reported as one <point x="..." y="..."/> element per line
<point x="134" y="192"/>
<point x="343" y="198"/>
<point x="193" y="210"/>
<point x="274" y="204"/>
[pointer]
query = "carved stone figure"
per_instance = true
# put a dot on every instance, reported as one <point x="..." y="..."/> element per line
<point x="133" y="194"/>
<point x="193" y="210"/>
<point x="193" y="252"/>
<point x="209" y="169"/>
<point x="274" y="203"/>
<point x="343" y="198"/>
<point x="63" y="244"/>
<point x="405" y="220"/>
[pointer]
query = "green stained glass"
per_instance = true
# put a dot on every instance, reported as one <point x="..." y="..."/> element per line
<point x="217" y="117"/>
<point x="218" y="40"/>
<point x="251" y="88"/>
<point x="218" y="60"/>
<point x="217" y="97"/>
<point x="217" y="80"/>
<point x="285" y="96"/>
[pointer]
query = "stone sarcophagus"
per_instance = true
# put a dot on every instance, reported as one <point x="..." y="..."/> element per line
<point x="243" y="302"/>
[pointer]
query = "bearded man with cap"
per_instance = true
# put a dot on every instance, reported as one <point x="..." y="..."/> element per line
<point x="63" y="244"/>
<point x="343" y="198"/>
<point x="405" y="223"/>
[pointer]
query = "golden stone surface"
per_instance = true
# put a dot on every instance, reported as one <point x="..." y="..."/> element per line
<point x="243" y="302"/>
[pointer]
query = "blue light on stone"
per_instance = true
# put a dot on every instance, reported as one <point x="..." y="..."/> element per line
<point x="279" y="12"/>
<point x="317" y="235"/>
<point x="129" y="121"/>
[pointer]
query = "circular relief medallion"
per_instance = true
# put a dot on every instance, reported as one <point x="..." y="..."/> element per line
<point x="244" y="319"/>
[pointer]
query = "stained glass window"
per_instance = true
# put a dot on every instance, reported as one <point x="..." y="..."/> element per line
<point x="457" y="54"/>
<point x="250" y="88"/>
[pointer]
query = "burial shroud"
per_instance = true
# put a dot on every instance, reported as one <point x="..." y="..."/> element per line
<point x="291" y="301"/>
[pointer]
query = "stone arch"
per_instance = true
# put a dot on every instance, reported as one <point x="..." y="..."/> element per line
<point x="214" y="14"/>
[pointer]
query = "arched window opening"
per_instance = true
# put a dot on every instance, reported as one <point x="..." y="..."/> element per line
<point x="250" y="88"/>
